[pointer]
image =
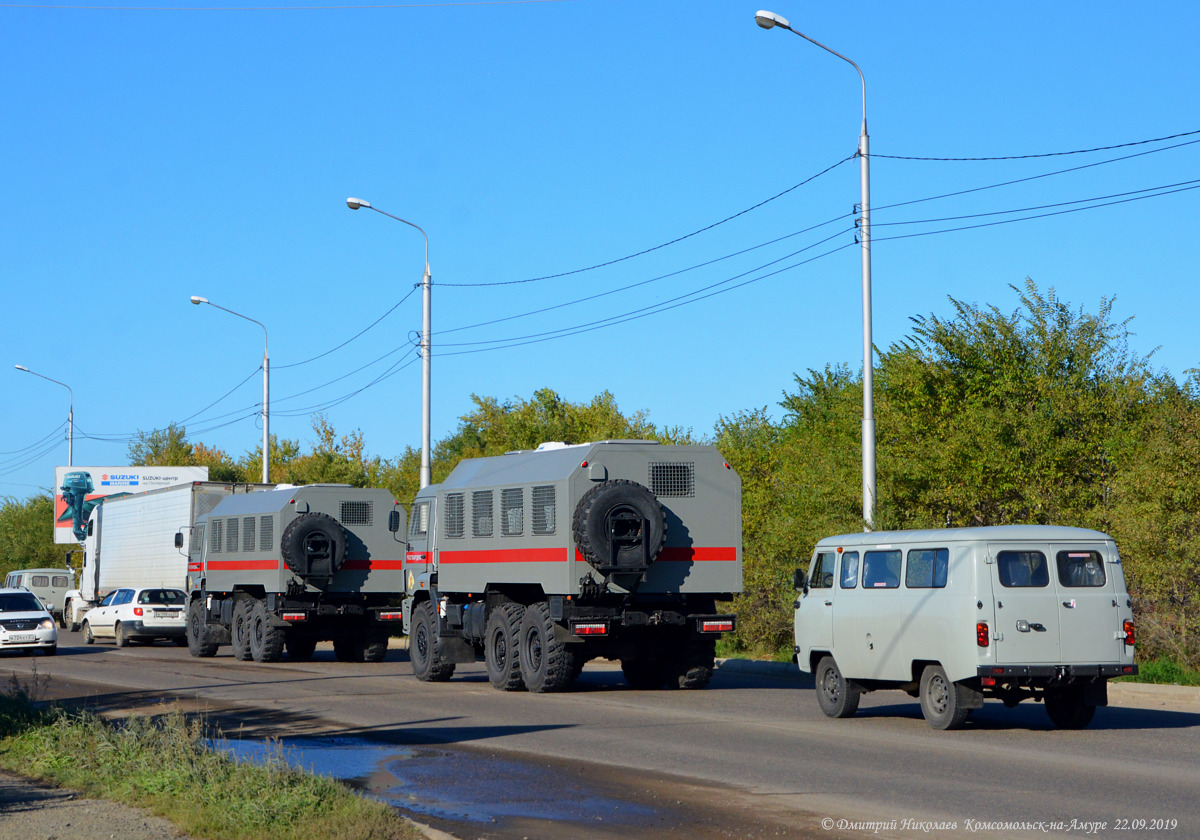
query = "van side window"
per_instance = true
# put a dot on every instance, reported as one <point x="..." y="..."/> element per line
<point x="820" y="573"/>
<point x="41" y="580"/>
<point x="881" y="569"/>
<point x="60" y="580"/>
<point x="927" y="568"/>
<point x="1023" y="569"/>
<point x="1080" y="568"/>
<point x="849" y="570"/>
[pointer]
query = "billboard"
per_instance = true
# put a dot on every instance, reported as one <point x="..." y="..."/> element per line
<point x="79" y="489"/>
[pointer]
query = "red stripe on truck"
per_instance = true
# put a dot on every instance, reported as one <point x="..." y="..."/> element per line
<point x="373" y="564"/>
<point x="244" y="565"/>
<point x="506" y="555"/>
<point x="688" y="554"/>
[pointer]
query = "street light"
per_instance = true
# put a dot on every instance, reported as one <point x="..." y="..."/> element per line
<point x="266" y="366"/>
<point x="426" y="288"/>
<point x="768" y="20"/>
<point x="70" y="414"/>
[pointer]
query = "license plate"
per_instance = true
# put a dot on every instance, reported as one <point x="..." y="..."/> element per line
<point x="166" y="613"/>
<point x="15" y="638"/>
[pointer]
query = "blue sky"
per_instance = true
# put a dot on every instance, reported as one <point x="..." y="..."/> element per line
<point x="155" y="153"/>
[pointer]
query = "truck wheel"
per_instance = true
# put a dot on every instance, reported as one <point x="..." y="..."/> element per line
<point x="1067" y="709"/>
<point x="547" y="664"/>
<point x="694" y="667"/>
<point x="375" y="645"/>
<point x="837" y="696"/>
<point x="119" y="635"/>
<point x="88" y="638"/>
<point x="69" y="609"/>
<point x="500" y="647"/>
<point x="313" y="545"/>
<point x="644" y="673"/>
<point x="62" y="616"/>
<point x="241" y="629"/>
<point x="300" y="647"/>
<point x="423" y="649"/>
<point x="199" y="636"/>
<point x="619" y="525"/>
<point x="941" y="701"/>
<point x="266" y="640"/>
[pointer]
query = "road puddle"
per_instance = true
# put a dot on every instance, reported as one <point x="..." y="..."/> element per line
<point x="445" y="784"/>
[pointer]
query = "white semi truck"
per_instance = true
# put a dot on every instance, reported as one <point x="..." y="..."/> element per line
<point x="130" y="541"/>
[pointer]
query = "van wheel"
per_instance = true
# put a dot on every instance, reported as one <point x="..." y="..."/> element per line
<point x="942" y="701"/>
<point x="424" y="651"/>
<point x="1067" y="709"/>
<point x="837" y="696"/>
<point x="500" y="647"/>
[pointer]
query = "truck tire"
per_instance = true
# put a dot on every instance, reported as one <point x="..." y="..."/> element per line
<point x="694" y="665"/>
<point x="547" y="662"/>
<point x="313" y="545"/>
<point x="199" y="636"/>
<point x="942" y="702"/>
<point x="266" y="639"/>
<point x="500" y="647"/>
<point x="375" y="645"/>
<point x="644" y="673"/>
<point x="619" y="526"/>
<point x="424" y="650"/>
<point x="62" y="616"/>
<point x="69" y="610"/>
<point x="299" y="647"/>
<point x="1067" y="708"/>
<point x="240" y="631"/>
<point x="837" y="696"/>
<point x="348" y="647"/>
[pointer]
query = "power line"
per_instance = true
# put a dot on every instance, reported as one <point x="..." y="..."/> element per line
<point x="356" y="335"/>
<point x="1043" y="154"/>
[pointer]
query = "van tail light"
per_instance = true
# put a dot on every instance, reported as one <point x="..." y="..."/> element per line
<point x="982" y="636"/>
<point x="1130" y="636"/>
<point x="138" y="611"/>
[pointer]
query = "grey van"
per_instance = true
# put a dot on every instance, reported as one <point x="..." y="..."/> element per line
<point x="956" y="615"/>
<point x="49" y="585"/>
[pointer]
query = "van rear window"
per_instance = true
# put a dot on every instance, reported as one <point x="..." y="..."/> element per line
<point x="1080" y="568"/>
<point x="881" y="569"/>
<point x="927" y="568"/>
<point x="1023" y="569"/>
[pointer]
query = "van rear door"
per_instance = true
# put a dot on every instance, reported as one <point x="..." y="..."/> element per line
<point x="1088" y="608"/>
<point x="1027" y="604"/>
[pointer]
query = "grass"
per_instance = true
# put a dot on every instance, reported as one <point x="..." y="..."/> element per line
<point x="1164" y="672"/>
<point x="163" y="764"/>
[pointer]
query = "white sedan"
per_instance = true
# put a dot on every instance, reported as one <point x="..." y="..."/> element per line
<point x="142" y="614"/>
<point x="25" y="625"/>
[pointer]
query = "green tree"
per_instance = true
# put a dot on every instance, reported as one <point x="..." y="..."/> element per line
<point x="27" y="535"/>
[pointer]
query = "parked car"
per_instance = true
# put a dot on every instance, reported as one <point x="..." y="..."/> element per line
<point x="25" y="624"/>
<point x="144" y="615"/>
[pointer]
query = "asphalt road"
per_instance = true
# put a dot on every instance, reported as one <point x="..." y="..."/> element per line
<point x="751" y="756"/>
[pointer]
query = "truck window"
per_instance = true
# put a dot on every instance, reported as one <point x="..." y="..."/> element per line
<point x="927" y="568"/>
<point x="481" y="513"/>
<point x="849" y="570"/>
<point x="543" y="509"/>
<point x="1080" y="568"/>
<point x="881" y="569"/>
<point x="1023" y="569"/>
<point x="512" y="512"/>
<point x="455" y="521"/>
<point x="820" y="573"/>
<point x="420" y="520"/>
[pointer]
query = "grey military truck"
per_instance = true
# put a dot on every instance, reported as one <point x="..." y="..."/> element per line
<point x="285" y="569"/>
<point x="537" y="561"/>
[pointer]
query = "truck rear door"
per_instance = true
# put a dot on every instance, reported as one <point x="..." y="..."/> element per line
<point x="1027" y="605"/>
<point x="1090" y="618"/>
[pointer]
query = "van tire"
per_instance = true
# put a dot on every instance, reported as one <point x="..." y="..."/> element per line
<point x="1067" y="708"/>
<point x="500" y="649"/>
<point x="837" y="696"/>
<point x="424" y="649"/>
<point x="942" y="702"/>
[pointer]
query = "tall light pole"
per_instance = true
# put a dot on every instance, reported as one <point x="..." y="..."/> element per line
<point x="266" y="366"/>
<point x="426" y="294"/>
<point x="70" y="414"/>
<point x="767" y="20"/>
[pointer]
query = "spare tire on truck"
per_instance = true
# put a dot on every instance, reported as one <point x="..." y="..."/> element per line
<point x="313" y="546"/>
<point x="619" y="527"/>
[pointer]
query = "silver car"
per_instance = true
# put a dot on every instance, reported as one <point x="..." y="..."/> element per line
<point x="25" y="624"/>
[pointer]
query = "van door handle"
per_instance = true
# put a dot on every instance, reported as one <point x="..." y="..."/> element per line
<point x="829" y="603"/>
<point x="1069" y="604"/>
<point x="1041" y="628"/>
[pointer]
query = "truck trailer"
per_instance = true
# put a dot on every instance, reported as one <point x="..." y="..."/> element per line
<point x="538" y="561"/>
<point x="288" y="568"/>
<point x="129" y="541"/>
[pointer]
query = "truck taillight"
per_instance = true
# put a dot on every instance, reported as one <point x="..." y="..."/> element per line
<point x="982" y="637"/>
<point x="598" y="628"/>
<point x="391" y="616"/>
<point x="138" y="611"/>
<point x="294" y="616"/>
<point x="1130" y="636"/>
<point x="721" y="625"/>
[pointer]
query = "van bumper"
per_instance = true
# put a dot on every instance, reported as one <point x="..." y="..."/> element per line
<point x="1040" y="674"/>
